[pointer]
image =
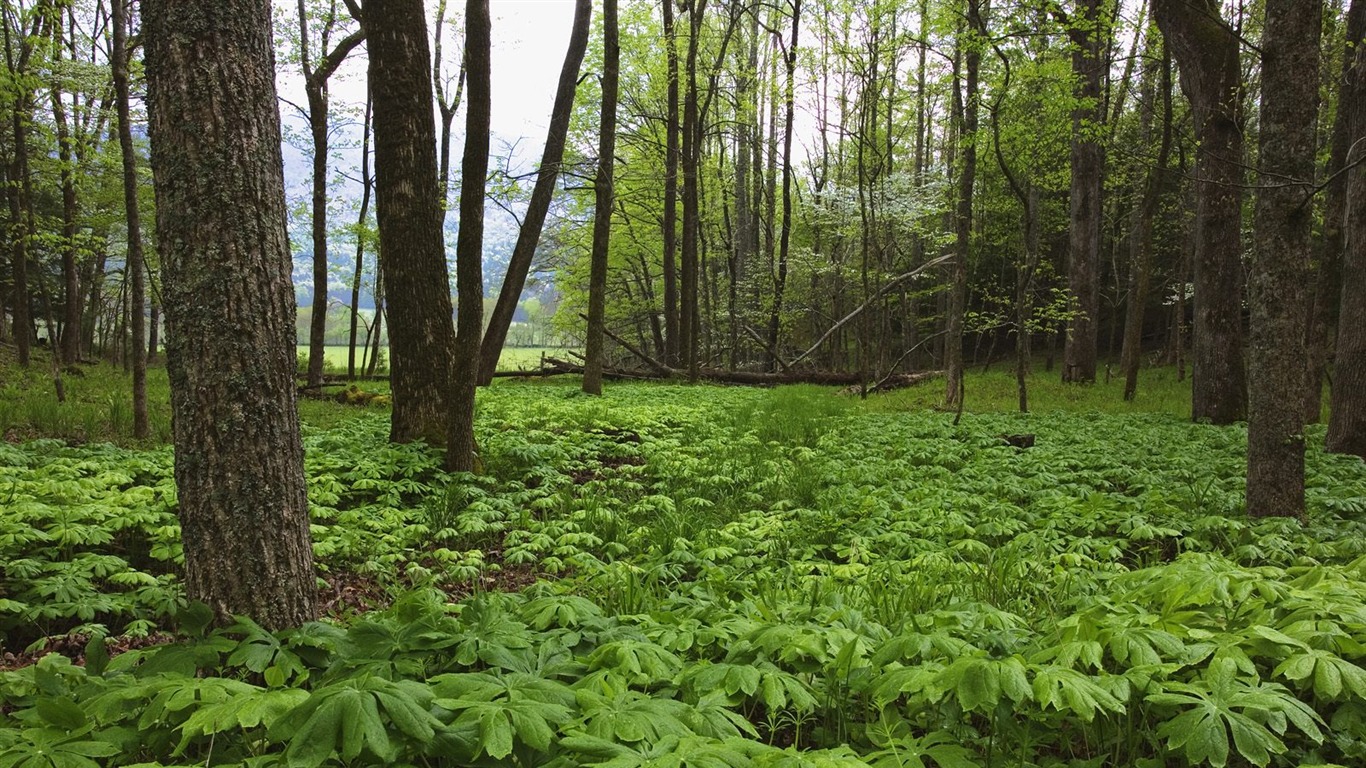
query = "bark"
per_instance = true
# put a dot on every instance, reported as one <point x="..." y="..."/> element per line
<point x="1141" y="239"/>
<point x="1279" y="278"/>
<point x="469" y="244"/>
<point x="229" y="306"/>
<point x="966" y="107"/>
<point x="133" y="217"/>
<point x="1323" y="319"/>
<point x="602" y="203"/>
<point x="670" y="224"/>
<point x="1206" y="50"/>
<point x="1083" y="255"/>
<point x="409" y="212"/>
<point x="1347" y="425"/>
<point x="529" y="235"/>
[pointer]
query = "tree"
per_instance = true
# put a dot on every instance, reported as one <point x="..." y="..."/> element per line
<point x="602" y="203"/>
<point x="530" y="233"/>
<point x="1141" y="237"/>
<point x="132" y="214"/>
<point x="1328" y="269"/>
<point x="1279" y="277"/>
<point x="965" y="108"/>
<point x="789" y="51"/>
<point x="1347" y="424"/>
<point x="229" y="308"/>
<point x="18" y="54"/>
<point x="469" y="250"/>
<point x="669" y="224"/>
<point x="409" y="213"/>
<point x="1083" y="253"/>
<point x="1206" y="50"/>
<point x="316" y="74"/>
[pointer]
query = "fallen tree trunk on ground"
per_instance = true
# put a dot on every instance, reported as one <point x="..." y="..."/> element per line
<point x="554" y="366"/>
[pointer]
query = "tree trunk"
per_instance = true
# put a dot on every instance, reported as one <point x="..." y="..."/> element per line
<point x="446" y="106"/>
<point x="1206" y="50"/>
<point x="1347" y="425"/>
<point x="534" y="220"/>
<point x="962" y="225"/>
<point x="1083" y="256"/>
<point x="318" y="130"/>
<point x="412" y="254"/>
<point x="315" y="86"/>
<point x="230" y="309"/>
<point x="367" y="186"/>
<point x="19" y="202"/>
<point x="1141" y="240"/>
<point x="70" y="349"/>
<point x="691" y="134"/>
<point x="785" y="232"/>
<point x="672" y="355"/>
<point x="602" y="204"/>
<point x="469" y="244"/>
<point x="1279" y="278"/>
<point x="119" y="59"/>
<point x="1328" y="278"/>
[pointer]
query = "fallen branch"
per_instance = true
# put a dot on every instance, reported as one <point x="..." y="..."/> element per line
<point x="876" y="295"/>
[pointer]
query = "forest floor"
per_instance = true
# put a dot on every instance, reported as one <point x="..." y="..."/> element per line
<point x="700" y="576"/>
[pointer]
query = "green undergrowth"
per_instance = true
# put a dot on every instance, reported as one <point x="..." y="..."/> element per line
<point x="723" y="577"/>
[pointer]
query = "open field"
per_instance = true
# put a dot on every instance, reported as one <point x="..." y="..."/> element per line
<point x="512" y="359"/>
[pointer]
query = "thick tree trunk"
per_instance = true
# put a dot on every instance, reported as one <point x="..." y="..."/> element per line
<point x="469" y="244"/>
<point x="1206" y="50"/>
<point x="119" y="58"/>
<point x="534" y="220"/>
<point x="1279" y="278"/>
<point x="412" y="254"/>
<point x="602" y="203"/>
<point x="229" y="306"/>
<point x="1083" y="255"/>
<point x="1323" y="320"/>
<point x="1347" y="425"/>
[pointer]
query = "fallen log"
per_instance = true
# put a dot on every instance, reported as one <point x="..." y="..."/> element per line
<point x="554" y="366"/>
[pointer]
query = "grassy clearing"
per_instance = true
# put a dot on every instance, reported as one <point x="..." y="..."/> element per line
<point x="727" y="577"/>
<point x="512" y="359"/>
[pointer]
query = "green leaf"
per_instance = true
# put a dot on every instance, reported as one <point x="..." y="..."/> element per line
<point x="61" y="712"/>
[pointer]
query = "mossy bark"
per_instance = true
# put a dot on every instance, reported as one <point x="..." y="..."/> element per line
<point x="229" y="304"/>
<point x="1278" y="280"/>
